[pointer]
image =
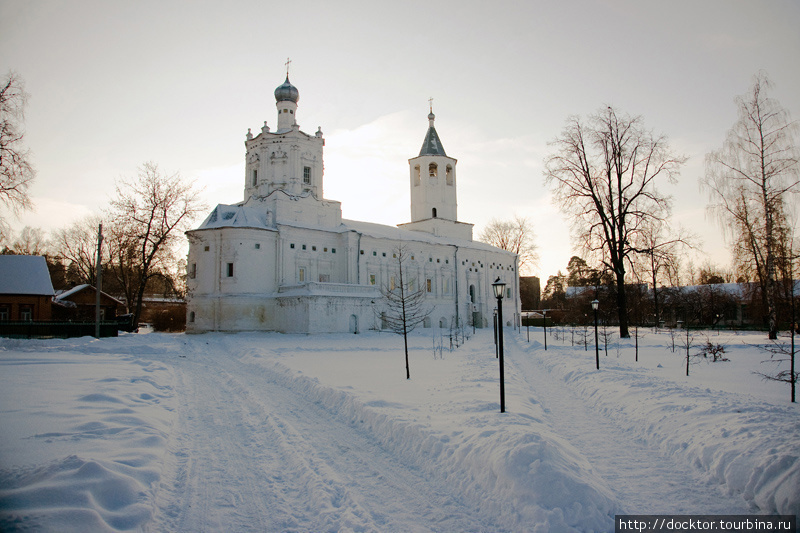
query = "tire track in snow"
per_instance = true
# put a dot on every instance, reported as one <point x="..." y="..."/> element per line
<point x="249" y="454"/>
<point x="640" y="476"/>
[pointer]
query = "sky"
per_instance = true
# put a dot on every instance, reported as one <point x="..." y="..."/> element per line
<point x="113" y="85"/>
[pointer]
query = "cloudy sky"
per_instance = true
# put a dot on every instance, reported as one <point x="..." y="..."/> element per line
<point x="115" y="84"/>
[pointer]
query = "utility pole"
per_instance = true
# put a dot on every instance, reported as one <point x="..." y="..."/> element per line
<point x="99" y="283"/>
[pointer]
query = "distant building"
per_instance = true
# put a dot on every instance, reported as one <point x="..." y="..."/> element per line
<point x="285" y="260"/>
<point x="26" y="291"/>
<point x="529" y="292"/>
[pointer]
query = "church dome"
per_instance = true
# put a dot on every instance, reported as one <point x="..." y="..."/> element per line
<point x="287" y="92"/>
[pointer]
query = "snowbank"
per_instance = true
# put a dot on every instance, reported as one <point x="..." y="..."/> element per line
<point x="741" y="440"/>
<point x="84" y="434"/>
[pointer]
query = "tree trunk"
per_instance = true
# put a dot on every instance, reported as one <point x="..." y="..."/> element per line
<point x="622" y="306"/>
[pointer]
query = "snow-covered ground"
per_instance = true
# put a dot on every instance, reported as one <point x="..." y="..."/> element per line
<point x="270" y="432"/>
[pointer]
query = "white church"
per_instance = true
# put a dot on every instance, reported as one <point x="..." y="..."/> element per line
<point x="285" y="260"/>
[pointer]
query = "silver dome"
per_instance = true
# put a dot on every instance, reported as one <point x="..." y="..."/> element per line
<point x="287" y="91"/>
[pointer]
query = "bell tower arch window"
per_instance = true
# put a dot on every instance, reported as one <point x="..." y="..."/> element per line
<point x="449" y="174"/>
<point x="416" y="175"/>
<point x="433" y="170"/>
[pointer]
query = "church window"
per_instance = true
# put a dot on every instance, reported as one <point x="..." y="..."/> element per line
<point x="255" y="177"/>
<point x="191" y="316"/>
<point x="472" y="293"/>
<point x="230" y="270"/>
<point x="291" y="246"/>
<point x="306" y="175"/>
<point x="429" y="285"/>
<point x="333" y="250"/>
<point x="438" y="260"/>
<point x="258" y="246"/>
<point x="193" y="271"/>
<point x="430" y="260"/>
<point x="362" y="252"/>
<point x="426" y="322"/>
<point x="446" y="261"/>
<point x="324" y="278"/>
<point x="372" y="279"/>
<point x="301" y="274"/>
<point x="313" y="248"/>
<point x="374" y="253"/>
<point x="508" y="293"/>
<point x="304" y="247"/>
<point x="205" y="249"/>
<point x="433" y="212"/>
<point x="446" y="286"/>
<point x="433" y="170"/>
<point x="392" y="283"/>
<point x="411" y="285"/>
<point x="325" y="249"/>
<point x="449" y="175"/>
<point x="384" y="254"/>
<point x="416" y="175"/>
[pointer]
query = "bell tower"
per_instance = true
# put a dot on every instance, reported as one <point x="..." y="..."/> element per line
<point x="433" y="179"/>
<point x="434" y="208"/>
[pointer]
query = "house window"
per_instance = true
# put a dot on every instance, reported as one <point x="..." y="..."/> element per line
<point x="301" y="274"/>
<point x="4" y="313"/>
<point x="25" y="313"/>
<point x="307" y="175"/>
<point x="433" y="170"/>
<point x="255" y="177"/>
<point x="230" y="270"/>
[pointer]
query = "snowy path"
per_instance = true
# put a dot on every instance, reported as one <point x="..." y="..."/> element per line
<point x="640" y="476"/>
<point x="249" y="454"/>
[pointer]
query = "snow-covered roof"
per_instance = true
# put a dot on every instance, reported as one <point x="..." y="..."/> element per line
<point x="62" y="296"/>
<point x="238" y="216"/>
<point x="381" y="231"/>
<point x="25" y="274"/>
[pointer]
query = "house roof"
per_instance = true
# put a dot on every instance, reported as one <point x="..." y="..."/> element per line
<point x="65" y="296"/>
<point x="25" y="274"/>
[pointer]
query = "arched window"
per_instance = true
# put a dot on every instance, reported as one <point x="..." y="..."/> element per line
<point x="449" y="175"/>
<point x="472" y="293"/>
<point x="433" y="212"/>
<point x="416" y="175"/>
<point x="255" y="177"/>
<point x="433" y="170"/>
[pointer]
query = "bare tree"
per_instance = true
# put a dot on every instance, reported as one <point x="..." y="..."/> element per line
<point x="405" y="302"/>
<point x="30" y="241"/>
<point x="16" y="172"/>
<point x="751" y="181"/>
<point x="515" y="236"/>
<point x="76" y="246"/>
<point x="149" y="216"/>
<point x="658" y="257"/>
<point x="604" y="173"/>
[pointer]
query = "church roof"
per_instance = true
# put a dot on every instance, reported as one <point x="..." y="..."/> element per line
<point x="432" y="145"/>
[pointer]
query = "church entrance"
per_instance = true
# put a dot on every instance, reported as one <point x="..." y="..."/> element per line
<point x="353" y="324"/>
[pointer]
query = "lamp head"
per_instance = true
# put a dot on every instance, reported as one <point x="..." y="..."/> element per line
<point x="498" y="287"/>
<point x="595" y="304"/>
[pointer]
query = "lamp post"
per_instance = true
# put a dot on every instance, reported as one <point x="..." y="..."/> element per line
<point x="595" y="305"/>
<point x="499" y="287"/>
<point x="494" y="321"/>
<point x="544" y="327"/>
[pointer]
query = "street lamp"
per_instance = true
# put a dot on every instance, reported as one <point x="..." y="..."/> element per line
<point x="595" y="305"/>
<point x="499" y="287"/>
